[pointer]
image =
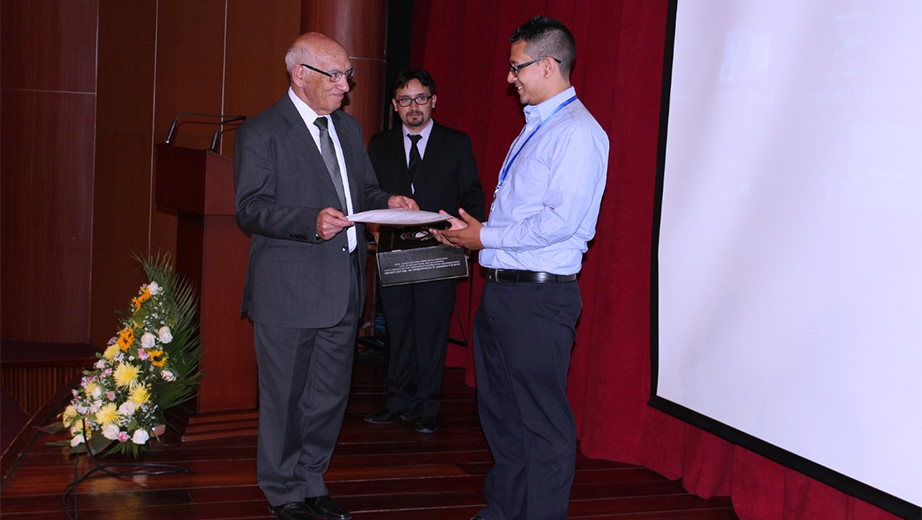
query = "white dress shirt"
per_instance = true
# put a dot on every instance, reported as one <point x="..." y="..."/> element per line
<point x="308" y="115"/>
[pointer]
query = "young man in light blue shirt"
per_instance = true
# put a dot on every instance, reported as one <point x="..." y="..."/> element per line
<point x="544" y="212"/>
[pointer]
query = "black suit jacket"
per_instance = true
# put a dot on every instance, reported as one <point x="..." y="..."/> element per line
<point x="448" y="175"/>
<point x="295" y="279"/>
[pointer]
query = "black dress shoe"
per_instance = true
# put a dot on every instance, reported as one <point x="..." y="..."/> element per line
<point x="385" y="416"/>
<point x="327" y="508"/>
<point x="291" y="511"/>
<point x="427" y="424"/>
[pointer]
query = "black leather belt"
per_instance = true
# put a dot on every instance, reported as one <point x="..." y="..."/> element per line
<point x="518" y="276"/>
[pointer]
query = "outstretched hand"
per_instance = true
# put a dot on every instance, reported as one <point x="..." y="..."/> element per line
<point x="464" y="232"/>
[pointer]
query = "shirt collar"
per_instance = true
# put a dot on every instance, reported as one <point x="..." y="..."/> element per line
<point x="424" y="132"/>
<point x="535" y="113"/>
<point x="307" y="113"/>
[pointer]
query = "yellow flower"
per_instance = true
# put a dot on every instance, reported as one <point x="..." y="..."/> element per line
<point x="125" y="374"/>
<point x="158" y="358"/>
<point x="70" y="415"/>
<point x="108" y="414"/>
<point x="141" y="298"/>
<point x="111" y="351"/>
<point x="125" y="338"/>
<point x="139" y="395"/>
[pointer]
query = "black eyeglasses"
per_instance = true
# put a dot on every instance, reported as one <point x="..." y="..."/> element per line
<point x="514" y="69"/>
<point x="420" y="100"/>
<point x="335" y="75"/>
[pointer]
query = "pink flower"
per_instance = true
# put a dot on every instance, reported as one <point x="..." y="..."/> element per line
<point x="110" y="395"/>
<point x="122" y="436"/>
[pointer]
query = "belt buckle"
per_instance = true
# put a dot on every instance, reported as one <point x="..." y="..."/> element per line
<point x="506" y="276"/>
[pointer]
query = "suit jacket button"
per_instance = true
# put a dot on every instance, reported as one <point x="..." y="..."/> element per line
<point x="345" y="248"/>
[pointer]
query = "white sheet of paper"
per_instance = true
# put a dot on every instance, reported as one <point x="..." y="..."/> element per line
<point x="399" y="217"/>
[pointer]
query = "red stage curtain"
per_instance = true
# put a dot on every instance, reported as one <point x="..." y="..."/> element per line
<point x="618" y="71"/>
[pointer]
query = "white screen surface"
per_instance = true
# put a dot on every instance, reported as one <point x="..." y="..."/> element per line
<point x="790" y="251"/>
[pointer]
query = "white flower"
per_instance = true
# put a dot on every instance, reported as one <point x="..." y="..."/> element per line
<point x="95" y="406"/>
<point x="140" y="436"/>
<point x="127" y="409"/>
<point x="147" y="340"/>
<point x="81" y="408"/>
<point x="101" y="364"/>
<point x="153" y="288"/>
<point x="165" y="335"/>
<point x="167" y="376"/>
<point x="110" y="431"/>
<point x="97" y="392"/>
<point x="78" y="439"/>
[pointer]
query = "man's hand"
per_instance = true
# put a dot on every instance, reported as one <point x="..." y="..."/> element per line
<point x="330" y="221"/>
<point x="401" y="202"/>
<point x="463" y="233"/>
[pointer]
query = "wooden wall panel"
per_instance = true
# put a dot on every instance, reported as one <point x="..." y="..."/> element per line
<point x="121" y="225"/>
<point x="190" y="67"/>
<point x="48" y="45"/>
<point x="47" y="115"/>
<point x="364" y="98"/>
<point x="46" y="204"/>
<point x="125" y="85"/>
<point x="256" y="77"/>
<point x="123" y="199"/>
<point x="190" y="78"/>
<point x="360" y="26"/>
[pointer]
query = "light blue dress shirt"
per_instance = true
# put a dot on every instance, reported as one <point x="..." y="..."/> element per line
<point x="545" y="211"/>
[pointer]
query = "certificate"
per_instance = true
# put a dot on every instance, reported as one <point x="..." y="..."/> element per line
<point x="399" y="217"/>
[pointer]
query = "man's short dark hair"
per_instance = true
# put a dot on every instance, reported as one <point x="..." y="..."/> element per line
<point x="404" y="78"/>
<point x="545" y="36"/>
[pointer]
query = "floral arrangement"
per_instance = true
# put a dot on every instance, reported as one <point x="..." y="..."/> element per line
<point x="147" y="368"/>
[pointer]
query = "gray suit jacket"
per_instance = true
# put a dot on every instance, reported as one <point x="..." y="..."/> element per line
<point x="295" y="279"/>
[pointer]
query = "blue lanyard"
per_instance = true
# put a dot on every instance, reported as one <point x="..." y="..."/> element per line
<point x="508" y="166"/>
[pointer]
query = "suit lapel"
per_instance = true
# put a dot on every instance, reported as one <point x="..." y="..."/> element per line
<point x="299" y="136"/>
<point x="302" y="141"/>
<point x="399" y="155"/>
<point x="433" y="152"/>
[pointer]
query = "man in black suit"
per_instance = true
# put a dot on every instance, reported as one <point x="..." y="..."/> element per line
<point x="435" y="165"/>
<point x="299" y="168"/>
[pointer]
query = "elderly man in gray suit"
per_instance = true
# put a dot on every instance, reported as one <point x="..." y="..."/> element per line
<point x="299" y="168"/>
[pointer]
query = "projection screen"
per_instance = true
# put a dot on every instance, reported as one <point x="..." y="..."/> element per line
<point x="788" y="238"/>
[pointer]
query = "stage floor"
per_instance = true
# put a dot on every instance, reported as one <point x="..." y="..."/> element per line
<point x="378" y="472"/>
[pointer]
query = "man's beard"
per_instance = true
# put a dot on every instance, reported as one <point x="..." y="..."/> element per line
<point x="415" y="119"/>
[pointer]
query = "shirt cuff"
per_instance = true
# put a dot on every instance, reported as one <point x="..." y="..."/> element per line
<point x="489" y="237"/>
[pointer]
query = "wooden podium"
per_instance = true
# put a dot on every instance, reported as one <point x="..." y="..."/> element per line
<point x="211" y="252"/>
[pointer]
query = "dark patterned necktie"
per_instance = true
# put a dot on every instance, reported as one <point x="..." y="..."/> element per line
<point x="415" y="158"/>
<point x="329" y="158"/>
